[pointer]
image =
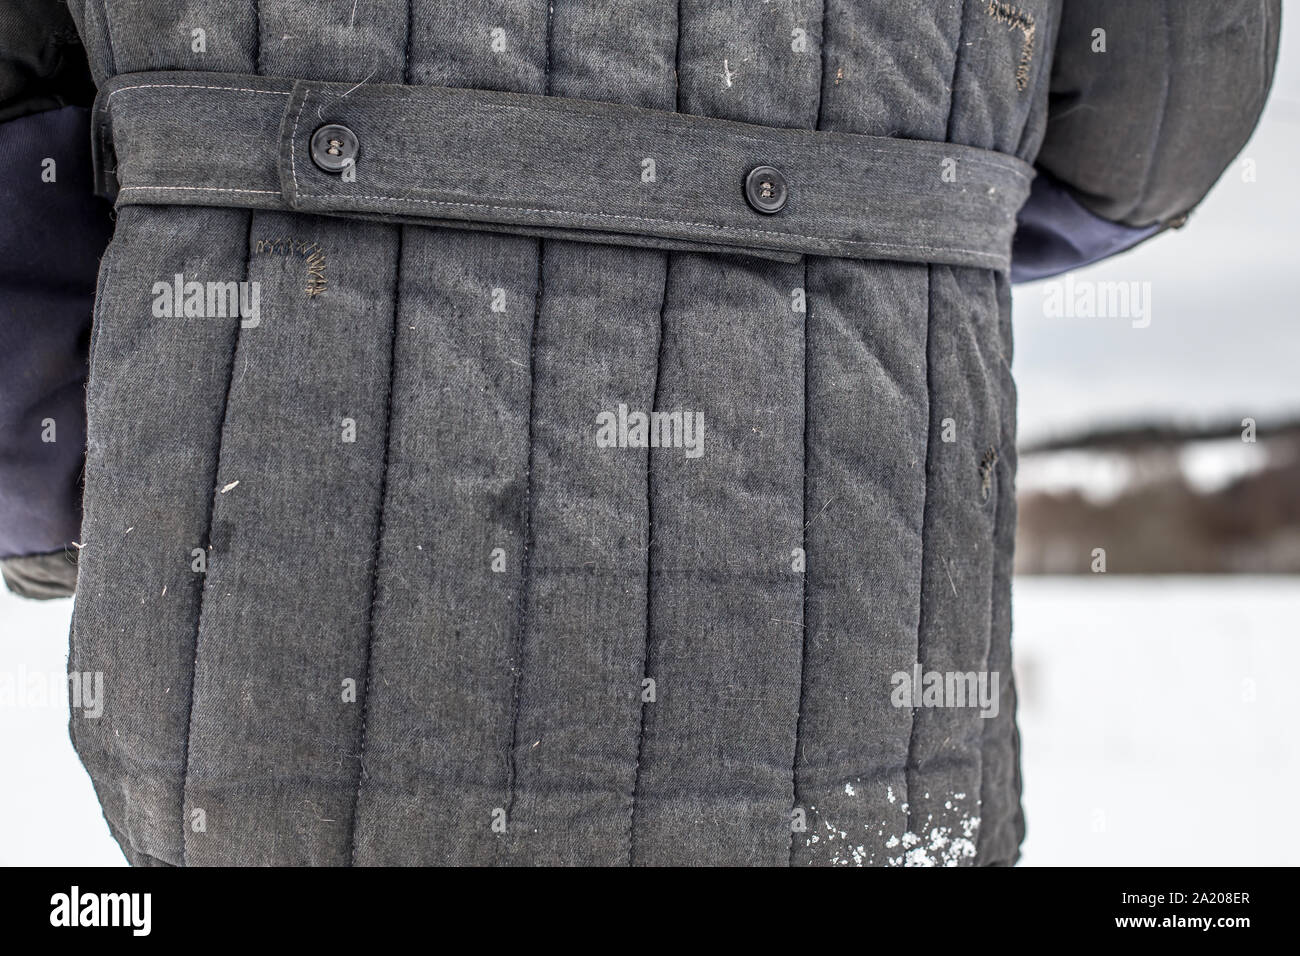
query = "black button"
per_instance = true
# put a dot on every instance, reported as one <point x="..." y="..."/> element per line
<point x="765" y="189"/>
<point x="334" y="148"/>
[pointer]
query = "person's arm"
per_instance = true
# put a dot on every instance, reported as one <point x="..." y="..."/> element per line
<point x="1150" y="102"/>
<point x="52" y="233"/>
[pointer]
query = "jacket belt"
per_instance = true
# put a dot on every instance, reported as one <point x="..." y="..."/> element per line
<point x="550" y="166"/>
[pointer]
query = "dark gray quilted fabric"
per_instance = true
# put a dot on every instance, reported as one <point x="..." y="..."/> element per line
<point x="497" y="587"/>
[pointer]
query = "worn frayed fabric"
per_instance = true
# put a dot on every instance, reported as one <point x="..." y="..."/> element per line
<point x="365" y="588"/>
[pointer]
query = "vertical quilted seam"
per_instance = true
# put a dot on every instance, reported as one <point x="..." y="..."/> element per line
<point x="908" y="767"/>
<point x="257" y="37"/>
<point x="821" y="83"/>
<point x="649" y="570"/>
<point x="216" y="467"/>
<point x="377" y="550"/>
<point x="998" y="517"/>
<point x="383" y="497"/>
<point x="649" y="491"/>
<point x="803" y="543"/>
<point x="525" y="572"/>
<point x="205" y="544"/>
<point x="929" y="434"/>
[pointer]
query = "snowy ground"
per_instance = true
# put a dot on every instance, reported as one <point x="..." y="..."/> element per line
<point x="1158" y="719"/>
<point x="48" y="811"/>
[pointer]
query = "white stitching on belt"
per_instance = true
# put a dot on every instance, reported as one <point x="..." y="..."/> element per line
<point x="293" y="138"/>
<point x="193" y="86"/>
<point x="724" y="230"/>
<point x="206" y="189"/>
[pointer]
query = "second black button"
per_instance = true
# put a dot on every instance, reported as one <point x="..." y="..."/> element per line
<point x="765" y="189"/>
<point x="334" y="148"/>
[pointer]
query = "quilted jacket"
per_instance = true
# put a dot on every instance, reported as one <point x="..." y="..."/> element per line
<point x="494" y="531"/>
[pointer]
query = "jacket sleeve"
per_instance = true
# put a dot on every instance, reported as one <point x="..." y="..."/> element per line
<point x="52" y="233"/>
<point x="1149" y="103"/>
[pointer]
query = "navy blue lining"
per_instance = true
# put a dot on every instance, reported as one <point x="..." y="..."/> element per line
<point x="51" y="237"/>
<point x="1055" y="233"/>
